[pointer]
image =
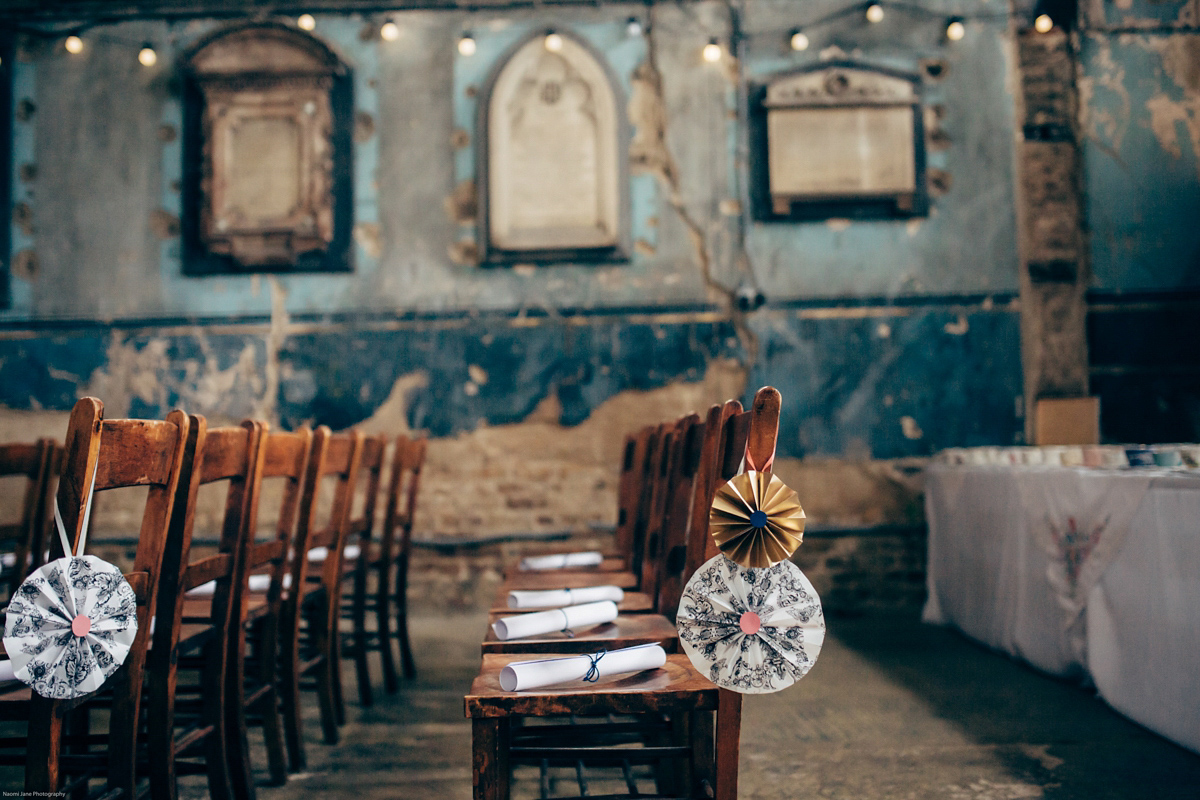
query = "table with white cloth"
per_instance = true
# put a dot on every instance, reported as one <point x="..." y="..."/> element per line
<point x="1086" y="573"/>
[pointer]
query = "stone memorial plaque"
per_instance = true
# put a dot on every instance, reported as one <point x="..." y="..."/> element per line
<point x="552" y="171"/>
<point x="839" y="140"/>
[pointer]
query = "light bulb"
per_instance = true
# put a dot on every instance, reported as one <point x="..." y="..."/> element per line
<point x="1043" y="24"/>
<point x="799" y="41"/>
<point x="633" y="26"/>
<point x="147" y="57"/>
<point x="875" y="13"/>
<point x="466" y="45"/>
<point x="553" y="42"/>
<point x="712" y="51"/>
<point x="306" y="22"/>
<point x="74" y="45"/>
<point x="955" y="31"/>
<point x="389" y="31"/>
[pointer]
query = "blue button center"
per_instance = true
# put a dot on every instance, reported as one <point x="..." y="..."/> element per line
<point x="759" y="519"/>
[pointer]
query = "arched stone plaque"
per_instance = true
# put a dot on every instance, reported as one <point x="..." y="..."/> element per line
<point x="553" y="179"/>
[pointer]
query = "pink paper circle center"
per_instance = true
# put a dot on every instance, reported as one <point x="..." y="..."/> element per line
<point x="749" y="623"/>
<point x="81" y="625"/>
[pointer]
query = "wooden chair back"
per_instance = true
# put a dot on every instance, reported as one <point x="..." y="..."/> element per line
<point x="633" y="459"/>
<point x="408" y="459"/>
<point x="22" y="540"/>
<point x="370" y="476"/>
<point x="657" y="493"/>
<point x="642" y="508"/>
<point x="229" y="454"/>
<point x="334" y="457"/>
<point x="683" y="492"/>
<point x="762" y="432"/>
<point x="121" y="453"/>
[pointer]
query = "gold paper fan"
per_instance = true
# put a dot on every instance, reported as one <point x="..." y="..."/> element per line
<point x="756" y="520"/>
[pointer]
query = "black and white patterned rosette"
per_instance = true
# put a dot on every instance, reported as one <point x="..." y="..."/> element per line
<point x="751" y="630"/>
<point x="70" y="626"/>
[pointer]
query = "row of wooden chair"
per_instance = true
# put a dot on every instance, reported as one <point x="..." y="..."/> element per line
<point x="229" y="635"/>
<point x="673" y="719"/>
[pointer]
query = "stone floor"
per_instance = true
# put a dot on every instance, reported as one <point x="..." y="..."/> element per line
<point x="893" y="709"/>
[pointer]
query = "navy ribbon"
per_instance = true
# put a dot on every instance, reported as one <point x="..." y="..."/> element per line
<point x="593" y="673"/>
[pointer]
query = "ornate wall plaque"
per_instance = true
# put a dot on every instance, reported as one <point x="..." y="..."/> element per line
<point x="553" y="176"/>
<point x="839" y="140"/>
<point x="265" y="132"/>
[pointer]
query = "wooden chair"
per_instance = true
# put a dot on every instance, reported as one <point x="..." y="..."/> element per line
<point x="358" y="558"/>
<point x="252" y="680"/>
<point x="620" y="558"/>
<point x="673" y="482"/>
<point x="705" y="742"/>
<point x="637" y="518"/>
<point x="120" y="454"/>
<point x="395" y="550"/>
<point x="193" y="631"/>
<point x="23" y="541"/>
<point x="310" y="644"/>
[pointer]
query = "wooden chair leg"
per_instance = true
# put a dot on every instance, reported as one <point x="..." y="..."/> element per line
<point x="409" y="665"/>
<point x="45" y="737"/>
<point x="216" y="756"/>
<point x="327" y="674"/>
<point x="383" y="627"/>
<point x="272" y="724"/>
<point x="289" y="696"/>
<point x="701" y="731"/>
<point x="267" y="707"/>
<point x="728" y="749"/>
<point x="489" y="755"/>
<point x="334" y="659"/>
<point x="362" y="669"/>
<point x="237" y="745"/>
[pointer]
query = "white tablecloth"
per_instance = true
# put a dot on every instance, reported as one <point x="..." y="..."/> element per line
<point x="1082" y="573"/>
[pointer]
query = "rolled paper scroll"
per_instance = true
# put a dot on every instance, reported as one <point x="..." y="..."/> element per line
<point x="7" y="675"/>
<point x="318" y="554"/>
<point x="524" y="675"/>
<point x="523" y="626"/>
<point x="587" y="558"/>
<point x="255" y="583"/>
<point x="557" y="598"/>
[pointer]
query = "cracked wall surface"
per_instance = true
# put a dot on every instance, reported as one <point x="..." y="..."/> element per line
<point x="888" y="339"/>
<point x="1139" y="81"/>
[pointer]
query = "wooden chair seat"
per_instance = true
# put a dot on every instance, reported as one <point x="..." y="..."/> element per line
<point x="570" y="580"/>
<point x="633" y="603"/>
<point x="627" y="630"/>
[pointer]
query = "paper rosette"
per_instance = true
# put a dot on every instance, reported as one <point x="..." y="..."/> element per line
<point x="750" y="630"/>
<point x="756" y="520"/>
<point x="70" y="626"/>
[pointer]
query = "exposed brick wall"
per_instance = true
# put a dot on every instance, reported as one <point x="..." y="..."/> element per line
<point x="1054" y="270"/>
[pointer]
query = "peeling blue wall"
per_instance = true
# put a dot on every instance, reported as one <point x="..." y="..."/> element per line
<point x="887" y="338"/>
<point x="1140" y="115"/>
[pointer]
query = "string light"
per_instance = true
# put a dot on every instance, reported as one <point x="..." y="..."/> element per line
<point x="146" y="56"/>
<point x="955" y="29"/>
<point x="306" y="22"/>
<point x="553" y="42"/>
<point x="73" y="45"/>
<point x="466" y="45"/>
<point x="633" y="27"/>
<point x="712" y="51"/>
<point x="1043" y="24"/>
<point x="875" y="13"/>
<point x="389" y="32"/>
<point x="799" y="40"/>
